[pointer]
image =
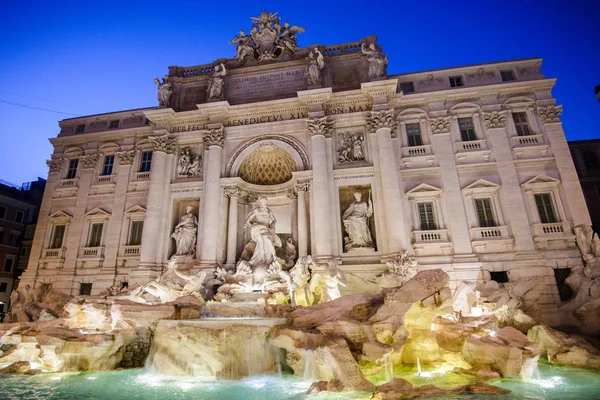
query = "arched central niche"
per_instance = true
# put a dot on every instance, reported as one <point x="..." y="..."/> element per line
<point x="267" y="165"/>
<point x="267" y="160"/>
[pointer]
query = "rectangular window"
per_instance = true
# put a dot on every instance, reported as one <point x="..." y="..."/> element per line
<point x="467" y="131"/>
<point x="8" y="265"/>
<point x="3" y="287"/>
<point x="135" y="233"/>
<point x="407" y="87"/>
<point x="544" y="205"/>
<point x="507" y="76"/>
<point x="29" y="232"/>
<point x="413" y="132"/>
<point x="499" y="276"/>
<point x="146" y="161"/>
<point x="484" y="213"/>
<point x="109" y="161"/>
<point x="95" y="235"/>
<point x="80" y="128"/>
<point x="426" y="217"/>
<point x="23" y="251"/>
<point x="85" y="289"/>
<point x="1" y="236"/>
<point x="20" y="216"/>
<point x="72" y="170"/>
<point x="57" y="237"/>
<point x="456" y="81"/>
<point x="2" y="212"/>
<point x="521" y="124"/>
<point x="114" y="124"/>
<point x="14" y="239"/>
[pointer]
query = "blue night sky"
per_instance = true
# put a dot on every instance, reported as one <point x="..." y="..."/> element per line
<point x="90" y="57"/>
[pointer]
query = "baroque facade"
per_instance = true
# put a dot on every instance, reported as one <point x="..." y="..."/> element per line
<point x="466" y="168"/>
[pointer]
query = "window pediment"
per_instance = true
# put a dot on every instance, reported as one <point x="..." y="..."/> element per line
<point x="464" y="108"/>
<point x="481" y="186"/>
<point x="517" y="102"/>
<point x="411" y="114"/>
<point x="60" y="217"/>
<point x="97" y="214"/>
<point x="541" y="182"/>
<point x="424" y="191"/>
<point x="136" y="210"/>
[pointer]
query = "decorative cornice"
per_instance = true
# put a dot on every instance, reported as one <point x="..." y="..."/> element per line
<point x="55" y="164"/>
<point x="494" y="119"/>
<point x="163" y="143"/>
<point x="439" y="124"/>
<point x="89" y="161"/>
<point x="381" y="119"/>
<point x="214" y="137"/>
<point x="319" y="126"/>
<point x="550" y="114"/>
<point x="126" y="157"/>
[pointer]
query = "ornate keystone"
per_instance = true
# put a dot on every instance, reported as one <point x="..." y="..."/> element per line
<point x="494" y="119"/>
<point x="381" y="119"/>
<point x="126" y="157"/>
<point x="163" y="143"/>
<point x="214" y="137"/>
<point x="89" y="161"/>
<point x="550" y="113"/>
<point x="319" y="126"/>
<point x="55" y="164"/>
<point x="439" y="124"/>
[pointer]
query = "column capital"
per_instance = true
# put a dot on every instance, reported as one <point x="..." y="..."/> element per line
<point x="89" y="161"/>
<point x="163" y="143"/>
<point x="381" y="119"/>
<point x="232" y="191"/>
<point x="302" y="186"/>
<point x="439" y="124"/>
<point x="550" y="114"/>
<point x="319" y="126"/>
<point x="214" y="137"/>
<point x="494" y="119"/>
<point x="126" y="157"/>
<point x="292" y="194"/>
<point x="55" y="164"/>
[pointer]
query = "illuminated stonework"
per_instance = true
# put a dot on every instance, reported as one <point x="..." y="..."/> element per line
<point x="267" y="165"/>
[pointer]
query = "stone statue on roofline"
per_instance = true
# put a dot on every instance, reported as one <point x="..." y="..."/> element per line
<point x="164" y="91"/>
<point x="314" y="67"/>
<point x="245" y="45"/>
<point x="214" y="91"/>
<point x="377" y="60"/>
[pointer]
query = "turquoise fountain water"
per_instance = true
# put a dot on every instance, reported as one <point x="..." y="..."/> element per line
<point x="552" y="383"/>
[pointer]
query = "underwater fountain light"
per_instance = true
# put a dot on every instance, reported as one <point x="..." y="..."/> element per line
<point x="493" y="333"/>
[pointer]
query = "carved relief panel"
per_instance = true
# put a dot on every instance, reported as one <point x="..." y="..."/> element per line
<point x="189" y="163"/>
<point x="350" y="147"/>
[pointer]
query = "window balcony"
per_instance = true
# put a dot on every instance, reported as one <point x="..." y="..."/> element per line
<point x="493" y="239"/>
<point x="416" y="151"/>
<point x="530" y="146"/>
<point x="105" y="180"/>
<point x="418" y="156"/>
<point x="53" y="253"/>
<point x="142" y="176"/>
<point x="91" y="252"/>
<point x="553" y="229"/>
<point x="68" y="183"/>
<point x="489" y="233"/>
<point x="130" y="251"/>
<point x="471" y="145"/>
<point x="431" y="243"/>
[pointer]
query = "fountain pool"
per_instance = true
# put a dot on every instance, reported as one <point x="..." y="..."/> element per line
<point x="552" y="383"/>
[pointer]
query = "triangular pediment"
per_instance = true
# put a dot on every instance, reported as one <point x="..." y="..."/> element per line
<point x="481" y="186"/>
<point x="424" y="188"/>
<point x="135" y="210"/>
<point x="541" y="180"/>
<point x="97" y="212"/>
<point x="60" y="215"/>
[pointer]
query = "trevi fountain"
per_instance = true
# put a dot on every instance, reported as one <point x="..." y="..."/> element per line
<point x="282" y="324"/>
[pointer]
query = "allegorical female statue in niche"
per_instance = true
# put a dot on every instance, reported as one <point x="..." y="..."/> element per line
<point x="356" y="224"/>
<point x="185" y="233"/>
<point x="261" y="221"/>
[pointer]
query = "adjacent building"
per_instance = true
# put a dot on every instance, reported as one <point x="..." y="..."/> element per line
<point x="466" y="168"/>
<point x="586" y="155"/>
<point x="19" y="207"/>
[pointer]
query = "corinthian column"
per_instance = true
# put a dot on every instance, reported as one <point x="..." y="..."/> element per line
<point x="319" y="129"/>
<point x="233" y="194"/>
<point x="382" y="125"/>
<point x="214" y="139"/>
<point x="162" y="146"/>
<point x="301" y="189"/>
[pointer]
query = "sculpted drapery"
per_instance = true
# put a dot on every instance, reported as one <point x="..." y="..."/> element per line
<point x="261" y="221"/>
<point x="356" y="224"/>
<point x="185" y="233"/>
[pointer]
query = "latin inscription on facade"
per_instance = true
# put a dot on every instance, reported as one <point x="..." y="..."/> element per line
<point x="267" y="85"/>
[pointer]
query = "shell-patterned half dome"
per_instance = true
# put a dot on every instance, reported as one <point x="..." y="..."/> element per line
<point x="267" y="165"/>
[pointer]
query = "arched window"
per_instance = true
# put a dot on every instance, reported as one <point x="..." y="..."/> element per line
<point x="590" y="160"/>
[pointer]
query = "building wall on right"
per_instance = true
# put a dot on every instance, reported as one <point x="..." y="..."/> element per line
<point x="586" y="156"/>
